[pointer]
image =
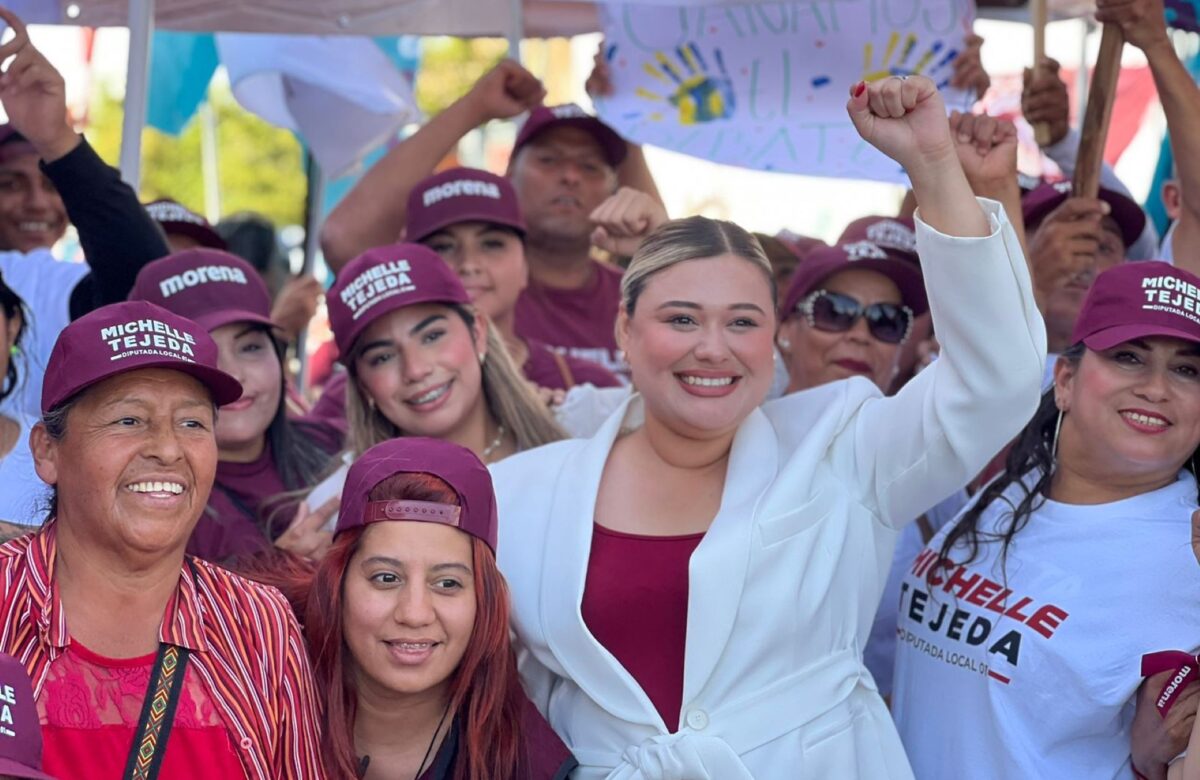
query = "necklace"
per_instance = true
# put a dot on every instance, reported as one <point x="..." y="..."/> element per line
<point x="432" y="742"/>
<point x="488" y="450"/>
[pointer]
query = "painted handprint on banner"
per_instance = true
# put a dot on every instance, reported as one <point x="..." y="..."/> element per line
<point x="898" y="60"/>
<point x="699" y="94"/>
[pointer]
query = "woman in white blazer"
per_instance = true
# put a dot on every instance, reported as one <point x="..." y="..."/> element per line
<point x="743" y="657"/>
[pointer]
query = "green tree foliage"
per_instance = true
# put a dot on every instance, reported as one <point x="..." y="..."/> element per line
<point x="260" y="166"/>
<point x="449" y="66"/>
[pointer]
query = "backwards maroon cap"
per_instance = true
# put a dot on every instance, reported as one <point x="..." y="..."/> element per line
<point x="385" y="279"/>
<point x="457" y="466"/>
<point x="1037" y="205"/>
<point x="824" y="262"/>
<point x="129" y="336"/>
<point x="210" y="287"/>
<point x="570" y="115"/>
<point x="895" y="235"/>
<point x="461" y="195"/>
<point x="20" y="729"/>
<point x="1136" y="300"/>
<point x="177" y="219"/>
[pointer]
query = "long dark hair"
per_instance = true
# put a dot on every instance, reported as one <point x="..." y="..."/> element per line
<point x="1032" y="458"/>
<point x="12" y="306"/>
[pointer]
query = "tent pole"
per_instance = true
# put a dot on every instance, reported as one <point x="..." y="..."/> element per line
<point x="141" y="31"/>
<point x="313" y="202"/>
<point x="517" y="29"/>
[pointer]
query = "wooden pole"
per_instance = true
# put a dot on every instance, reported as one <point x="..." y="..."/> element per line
<point x="1038" y="17"/>
<point x="1096" y="118"/>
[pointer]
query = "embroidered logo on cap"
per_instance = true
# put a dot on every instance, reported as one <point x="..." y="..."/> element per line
<point x="569" y="111"/>
<point x="863" y="250"/>
<point x="8" y="698"/>
<point x="893" y="235"/>
<point x="453" y="189"/>
<point x="173" y="212"/>
<point x="376" y="284"/>
<point x="1172" y="295"/>
<point x="194" y="276"/>
<point x="148" y="337"/>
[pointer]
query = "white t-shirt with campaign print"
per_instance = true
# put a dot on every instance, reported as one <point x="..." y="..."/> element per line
<point x="45" y="286"/>
<point x="1030" y="670"/>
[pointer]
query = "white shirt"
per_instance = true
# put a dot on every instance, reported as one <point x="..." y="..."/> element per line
<point x="1040" y="683"/>
<point x="22" y="492"/>
<point x="785" y="584"/>
<point x="45" y="286"/>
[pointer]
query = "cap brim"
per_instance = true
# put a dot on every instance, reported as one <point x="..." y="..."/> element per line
<point x="224" y="388"/>
<point x="465" y="216"/>
<point x="12" y="768"/>
<point x="1107" y="338"/>
<point x="614" y="146"/>
<point x="205" y="237"/>
<point x="216" y="319"/>
<point x="903" y="273"/>
<point x="384" y="307"/>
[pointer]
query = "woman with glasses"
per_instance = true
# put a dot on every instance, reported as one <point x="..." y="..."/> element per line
<point x="754" y="538"/>
<point x="847" y="311"/>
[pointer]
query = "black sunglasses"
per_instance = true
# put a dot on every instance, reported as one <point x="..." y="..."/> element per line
<point x="836" y="313"/>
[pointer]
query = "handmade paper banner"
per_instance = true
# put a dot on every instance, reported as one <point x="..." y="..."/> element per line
<point x="764" y="85"/>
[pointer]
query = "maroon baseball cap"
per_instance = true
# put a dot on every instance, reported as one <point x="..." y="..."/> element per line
<point x="452" y="463"/>
<point x="210" y="287"/>
<point x="130" y="336"/>
<point x="13" y="144"/>
<point x="895" y="235"/>
<point x="1037" y="205"/>
<point x="1136" y="300"/>
<point x="177" y="219"/>
<point x="461" y="195"/>
<point x="385" y="279"/>
<point x="20" y="729"/>
<point x="570" y="115"/>
<point x="824" y="262"/>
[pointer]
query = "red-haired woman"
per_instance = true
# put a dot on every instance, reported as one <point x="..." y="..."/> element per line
<point x="407" y="622"/>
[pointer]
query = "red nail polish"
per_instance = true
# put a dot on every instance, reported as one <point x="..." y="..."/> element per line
<point x="858" y="88"/>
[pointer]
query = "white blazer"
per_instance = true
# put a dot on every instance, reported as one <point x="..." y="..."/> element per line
<point x="784" y="586"/>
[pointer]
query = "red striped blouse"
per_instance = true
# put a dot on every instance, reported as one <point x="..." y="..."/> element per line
<point x="246" y="648"/>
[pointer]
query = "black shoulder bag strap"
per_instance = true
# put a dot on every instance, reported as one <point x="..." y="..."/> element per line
<point x="158" y="711"/>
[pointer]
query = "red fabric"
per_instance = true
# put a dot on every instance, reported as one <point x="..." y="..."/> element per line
<point x="247" y="651"/>
<point x="650" y="572"/>
<point x="581" y="321"/>
<point x="90" y="707"/>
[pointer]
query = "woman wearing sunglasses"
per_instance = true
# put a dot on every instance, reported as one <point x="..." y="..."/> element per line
<point x="754" y="538"/>
<point x="1026" y="619"/>
<point x="847" y="311"/>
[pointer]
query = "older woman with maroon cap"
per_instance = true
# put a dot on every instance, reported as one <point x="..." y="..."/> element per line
<point x="471" y="218"/>
<point x="1025" y="621"/>
<point x="407" y="621"/>
<point x="266" y="458"/>
<point x="143" y="659"/>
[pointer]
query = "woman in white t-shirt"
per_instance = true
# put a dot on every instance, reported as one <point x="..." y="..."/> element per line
<point x="20" y="488"/>
<point x="1023" y="623"/>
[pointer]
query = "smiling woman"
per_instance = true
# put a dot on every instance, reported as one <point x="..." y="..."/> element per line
<point x="267" y="459"/>
<point x="1087" y="527"/>
<point x="422" y="363"/>
<point x="102" y="605"/>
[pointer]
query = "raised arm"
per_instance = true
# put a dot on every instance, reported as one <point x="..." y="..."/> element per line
<point x="1144" y="25"/>
<point x="117" y="235"/>
<point x="373" y="212"/>
<point x="914" y="448"/>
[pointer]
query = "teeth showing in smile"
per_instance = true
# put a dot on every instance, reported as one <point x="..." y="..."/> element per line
<point x="412" y="647"/>
<point x="157" y="487"/>
<point x="1142" y="419"/>
<point x="701" y="381"/>
<point x="431" y="396"/>
<point x="35" y="227"/>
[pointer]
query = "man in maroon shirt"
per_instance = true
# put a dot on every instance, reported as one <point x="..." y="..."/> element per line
<point x="566" y="167"/>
